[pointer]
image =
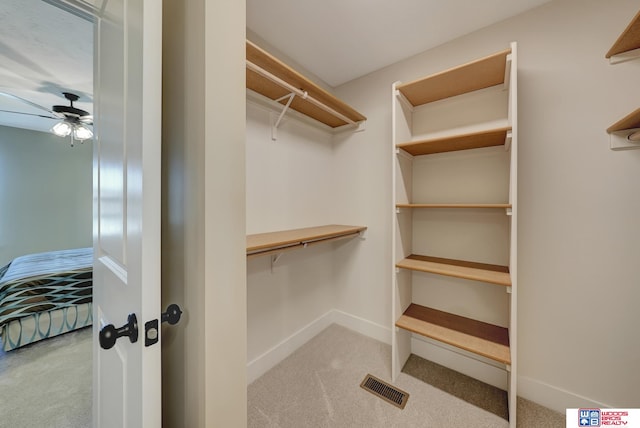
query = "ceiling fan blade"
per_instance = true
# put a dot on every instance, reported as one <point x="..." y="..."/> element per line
<point x="32" y="104"/>
<point x="30" y="114"/>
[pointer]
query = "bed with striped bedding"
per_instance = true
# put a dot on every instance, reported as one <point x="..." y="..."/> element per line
<point x="46" y="294"/>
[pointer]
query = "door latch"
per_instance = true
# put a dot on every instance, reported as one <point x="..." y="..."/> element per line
<point x="171" y="316"/>
<point x="109" y="334"/>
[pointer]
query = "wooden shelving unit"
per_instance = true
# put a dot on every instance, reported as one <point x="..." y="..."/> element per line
<point x="467" y="110"/>
<point x="274" y="79"/>
<point x="488" y="340"/>
<point x="492" y="274"/>
<point x="627" y="46"/>
<point x="276" y="242"/>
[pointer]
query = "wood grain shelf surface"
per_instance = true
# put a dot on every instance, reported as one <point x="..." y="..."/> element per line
<point x="270" y="242"/>
<point x="271" y="90"/>
<point x="488" y="340"/>
<point x="492" y="274"/>
<point x="472" y="140"/>
<point x="630" y="121"/>
<point x="461" y="206"/>
<point x="629" y="39"/>
<point x="479" y="74"/>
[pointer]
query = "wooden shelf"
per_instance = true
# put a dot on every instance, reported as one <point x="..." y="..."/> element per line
<point x="274" y="242"/>
<point x="473" y="140"/>
<point x="631" y="121"/>
<point x="488" y="340"/>
<point x="264" y="86"/>
<point x="628" y="41"/>
<point x="482" y="73"/>
<point x="493" y="274"/>
<point x="483" y="206"/>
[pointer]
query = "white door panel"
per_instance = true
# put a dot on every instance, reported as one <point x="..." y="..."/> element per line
<point x="127" y="117"/>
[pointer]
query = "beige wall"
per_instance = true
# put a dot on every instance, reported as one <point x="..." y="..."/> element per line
<point x="203" y="245"/>
<point x="45" y="193"/>
<point x="578" y="201"/>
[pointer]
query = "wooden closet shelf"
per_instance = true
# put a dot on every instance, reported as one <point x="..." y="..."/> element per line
<point x="264" y="86"/>
<point x="272" y="242"/>
<point x="488" y="340"/>
<point x="479" y="74"/>
<point x="629" y="39"/>
<point x="484" y="206"/>
<point x="472" y="140"/>
<point x="493" y="274"/>
<point x="631" y="121"/>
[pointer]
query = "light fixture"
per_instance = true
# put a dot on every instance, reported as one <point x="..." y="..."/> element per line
<point x="82" y="132"/>
<point x="62" y="129"/>
<point x="77" y="130"/>
<point x="74" y="121"/>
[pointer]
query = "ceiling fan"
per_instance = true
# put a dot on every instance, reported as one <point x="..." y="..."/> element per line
<point x="72" y="121"/>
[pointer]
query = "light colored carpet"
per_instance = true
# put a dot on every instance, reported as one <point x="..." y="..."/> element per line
<point x="48" y="384"/>
<point x="319" y="386"/>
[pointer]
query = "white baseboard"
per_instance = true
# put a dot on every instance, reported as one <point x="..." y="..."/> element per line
<point x="460" y="361"/>
<point x="261" y="364"/>
<point x="553" y="397"/>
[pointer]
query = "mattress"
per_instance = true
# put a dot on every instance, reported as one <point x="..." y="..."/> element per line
<point x="45" y="294"/>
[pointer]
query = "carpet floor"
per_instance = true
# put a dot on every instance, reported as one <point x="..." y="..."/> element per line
<point x="48" y="383"/>
<point x="319" y="386"/>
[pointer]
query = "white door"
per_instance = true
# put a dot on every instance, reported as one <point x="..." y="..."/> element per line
<point x="127" y="117"/>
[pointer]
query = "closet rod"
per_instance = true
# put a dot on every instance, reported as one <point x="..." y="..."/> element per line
<point x="298" y="92"/>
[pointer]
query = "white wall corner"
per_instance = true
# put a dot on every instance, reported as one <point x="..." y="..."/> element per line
<point x="269" y="359"/>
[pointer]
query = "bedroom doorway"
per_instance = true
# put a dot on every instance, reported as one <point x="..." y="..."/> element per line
<point x="46" y="48"/>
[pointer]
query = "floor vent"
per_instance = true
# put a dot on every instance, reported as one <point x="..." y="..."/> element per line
<point x="385" y="391"/>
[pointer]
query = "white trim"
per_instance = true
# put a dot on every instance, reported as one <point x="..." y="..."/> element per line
<point x="459" y="360"/>
<point x="269" y="359"/>
<point x="554" y="398"/>
<point x="362" y="326"/>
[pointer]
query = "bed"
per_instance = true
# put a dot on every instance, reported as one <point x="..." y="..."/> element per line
<point x="44" y="295"/>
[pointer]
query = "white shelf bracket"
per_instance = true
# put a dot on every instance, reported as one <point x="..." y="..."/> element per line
<point x="362" y="234"/>
<point x="627" y="139"/>
<point x="274" y="259"/>
<point x="274" y="127"/>
<point x="507" y="141"/>
<point x="624" y="57"/>
<point x="507" y="72"/>
<point x="509" y="290"/>
<point x="509" y="211"/>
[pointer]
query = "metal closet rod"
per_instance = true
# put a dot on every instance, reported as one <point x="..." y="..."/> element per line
<point x="302" y="94"/>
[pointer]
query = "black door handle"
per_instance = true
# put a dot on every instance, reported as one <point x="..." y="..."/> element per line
<point x="109" y="334"/>
<point x="171" y="316"/>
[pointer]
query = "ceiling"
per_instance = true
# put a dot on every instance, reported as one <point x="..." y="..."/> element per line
<point x="340" y="40"/>
<point x="45" y="50"/>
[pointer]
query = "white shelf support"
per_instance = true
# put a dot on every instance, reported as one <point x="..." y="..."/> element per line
<point x="274" y="127"/>
<point x="507" y="141"/>
<point x="625" y="56"/>
<point x="274" y="259"/>
<point x="507" y="73"/>
<point x="627" y="139"/>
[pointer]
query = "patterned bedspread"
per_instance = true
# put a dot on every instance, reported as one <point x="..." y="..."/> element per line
<point x="44" y="282"/>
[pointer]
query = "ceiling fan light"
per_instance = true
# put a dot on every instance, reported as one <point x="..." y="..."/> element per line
<point x="81" y="132"/>
<point x="61" y="129"/>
